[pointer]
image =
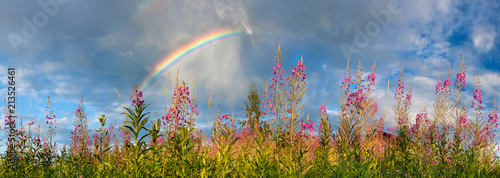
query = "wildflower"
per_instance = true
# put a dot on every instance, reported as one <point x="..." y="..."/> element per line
<point x="447" y="83"/>
<point x="322" y="108"/>
<point x="460" y="81"/>
<point x="305" y="126"/>
<point x="371" y="78"/>
<point x="137" y="95"/>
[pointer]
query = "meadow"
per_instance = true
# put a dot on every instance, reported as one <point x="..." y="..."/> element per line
<point x="278" y="139"/>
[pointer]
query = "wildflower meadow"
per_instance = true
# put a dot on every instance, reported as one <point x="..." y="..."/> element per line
<point x="278" y="139"/>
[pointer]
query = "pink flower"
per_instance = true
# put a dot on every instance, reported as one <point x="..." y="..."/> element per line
<point x="371" y="78"/>
<point x="322" y="108"/>
<point x="439" y="86"/>
<point x="408" y="98"/>
<point x="460" y="80"/>
<point x="478" y="96"/>
<point x="160" y="139"/>
<point x="447" y="83"/>
<point x="307" y="126"/>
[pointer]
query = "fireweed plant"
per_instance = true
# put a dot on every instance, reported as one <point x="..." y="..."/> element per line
<point x="455" y="139"/>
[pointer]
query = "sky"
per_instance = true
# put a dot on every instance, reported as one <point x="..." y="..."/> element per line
<point x="74" y="49"/>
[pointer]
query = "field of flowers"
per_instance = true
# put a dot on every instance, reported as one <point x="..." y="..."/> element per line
<point x="443" y="143"/>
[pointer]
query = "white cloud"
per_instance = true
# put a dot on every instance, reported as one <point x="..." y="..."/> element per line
<point x="66" y="88"/>
<point x="490" y="83"/>
<point x="444" y="6"/>
<point x="483" y="37"/>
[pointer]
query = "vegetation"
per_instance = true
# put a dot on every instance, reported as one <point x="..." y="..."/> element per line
<point x="449" y="144"/>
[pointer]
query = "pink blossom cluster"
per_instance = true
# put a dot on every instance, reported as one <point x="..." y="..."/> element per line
<point x="346" y="83"/>
<point x="481" y="137"/>
<point x="460" y="80"/>
<point x="491" y="126"/>
<point x="79" y="140"/>
<point x="462" y="122"/>
<point x="137" y="96"/>
<point x="218" y="124"/>
<point x="418" y="122"/>
<point x="125" y="137"/>
<point x="246" y="133"/>
<point x="443" y="86"/>
<point x="493" y="119"/>
<point x="371" y="79"/>
<point x="309" y="126"/>
<point x="356" y="98"/>
<point x="270" y="105"/>
<point x="439" y="86"/>
<point x="277" y="76"/>
<point x="51" y="120"/>
<point x="78" y="110"/>
<point x="440" y="135"/>
<point x="79" y="137"/>
<point x="322" y="109"/>
<point x="298" y="72"/>
<point x="183" y="108"/>
<point x="408" y="99"/>
<point x="219" y="120"/>
<point x="400" y="89"/>
<point x="401" y="121"/>
<point x="478" y="99"/>
<point x="160" y="140"/>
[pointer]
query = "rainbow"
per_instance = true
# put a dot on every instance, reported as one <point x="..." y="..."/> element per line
<point x="194" y="46"/>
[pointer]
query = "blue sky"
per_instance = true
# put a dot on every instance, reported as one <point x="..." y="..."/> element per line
<point x="90" y="48"/>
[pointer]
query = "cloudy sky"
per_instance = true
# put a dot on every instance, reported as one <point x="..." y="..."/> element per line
<point x="68" y="49"/>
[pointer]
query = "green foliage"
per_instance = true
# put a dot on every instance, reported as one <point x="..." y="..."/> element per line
<point x="252" y="110"/>
<point x="182" y="152"/>
<point x="135" y="123"/>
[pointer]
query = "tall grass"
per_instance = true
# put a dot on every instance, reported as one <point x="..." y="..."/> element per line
<point x="444" y="143"/>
